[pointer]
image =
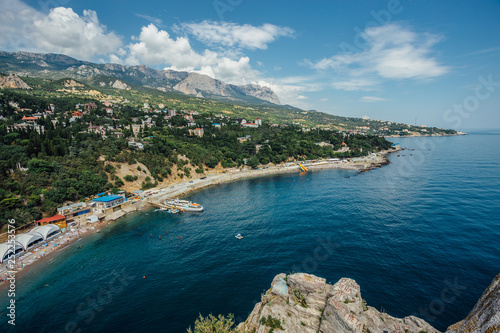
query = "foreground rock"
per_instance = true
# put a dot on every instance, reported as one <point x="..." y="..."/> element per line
<point x="306" y="303"/>
<point x="485" y="316"/>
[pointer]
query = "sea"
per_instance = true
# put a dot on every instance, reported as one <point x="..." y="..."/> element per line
<point x="421" y="236"/>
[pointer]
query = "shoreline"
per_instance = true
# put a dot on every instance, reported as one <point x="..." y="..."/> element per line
<point x="423" y="135"/>
<point x="155" y="195"/>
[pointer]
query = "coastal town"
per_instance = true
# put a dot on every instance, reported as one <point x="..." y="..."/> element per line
<point x="36" y="240"/>
<point x="92" y="158"/>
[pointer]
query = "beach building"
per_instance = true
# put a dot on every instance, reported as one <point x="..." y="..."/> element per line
<point x="74" y="210"/>
<point x="92" y="219"/>
<point x="109" y="203"/>
<point x="138" y="194"/>
<point x="47" y="231"/>
<point x="6" y="250"/>
<point x="59" y="220"/>
<point x="29" y="240"/>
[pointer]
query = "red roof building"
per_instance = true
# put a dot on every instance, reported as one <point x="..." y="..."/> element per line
<point x="59" y="220"/>
<point x="30" y="118"/>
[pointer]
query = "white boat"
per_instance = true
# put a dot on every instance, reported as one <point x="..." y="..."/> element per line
<point x="239" y="236"/>
<point x="184" y="205"/>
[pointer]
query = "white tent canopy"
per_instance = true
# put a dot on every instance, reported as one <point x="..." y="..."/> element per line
<point x="5" y="250"/>
<point x="28" y="240"/>
<point x="47" y="231"/>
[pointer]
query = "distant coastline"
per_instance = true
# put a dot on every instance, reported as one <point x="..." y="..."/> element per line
<point x="425" y="135"/>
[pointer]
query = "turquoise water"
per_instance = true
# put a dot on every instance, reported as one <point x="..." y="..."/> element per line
<point x="403" y="232"/>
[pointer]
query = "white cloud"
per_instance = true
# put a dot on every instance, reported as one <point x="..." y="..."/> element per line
<point x="158" y="22"/>
<point x="60" y="31"/>
<point x="371" y="99"/>
<point x="156" y="47"/>
<point x="324" y="100"/>
<point x="354" y="85"/>
<point x="16" y="25"/>
<point x="291" y="89"/>
<point x="391" y="52"/>
<point x="227" y="34"/>
<point x="64" y="31"/>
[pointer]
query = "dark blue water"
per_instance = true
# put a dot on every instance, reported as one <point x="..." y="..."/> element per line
<point x="404" y="232"/>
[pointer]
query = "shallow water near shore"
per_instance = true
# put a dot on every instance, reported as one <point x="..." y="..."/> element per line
<point x="404" y="232"/>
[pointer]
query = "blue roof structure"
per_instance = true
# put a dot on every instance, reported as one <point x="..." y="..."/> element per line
<point x="107" y="198"/>
<point x="395" y="144"/>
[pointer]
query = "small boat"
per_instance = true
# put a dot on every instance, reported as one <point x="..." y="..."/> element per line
<point x="239" y="236"/>
<point x="184" y="205"/>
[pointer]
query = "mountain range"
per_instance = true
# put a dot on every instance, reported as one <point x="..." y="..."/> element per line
<point x="58" y="66"/>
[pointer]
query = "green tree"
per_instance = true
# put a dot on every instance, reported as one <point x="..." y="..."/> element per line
<point x="129" y="178"/>
<point x="253" y="162"/>
<point x="212" y="324"/>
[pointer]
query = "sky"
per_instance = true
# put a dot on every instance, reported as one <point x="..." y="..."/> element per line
<point x="434" y="63"/>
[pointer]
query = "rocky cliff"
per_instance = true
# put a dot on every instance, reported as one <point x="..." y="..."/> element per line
<point x="13" y="82"/>
<point x="306" y="303"/>
<point x="485" y="316"/>
<point x="264" y="93"/>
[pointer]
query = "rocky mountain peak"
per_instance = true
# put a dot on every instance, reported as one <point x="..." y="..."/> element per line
<point x="57" y="66"/>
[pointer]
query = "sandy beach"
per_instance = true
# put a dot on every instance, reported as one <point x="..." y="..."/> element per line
<point x="159" y="194"/>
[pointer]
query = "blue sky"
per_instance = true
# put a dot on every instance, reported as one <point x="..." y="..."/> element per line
<point x="433" y="62"/>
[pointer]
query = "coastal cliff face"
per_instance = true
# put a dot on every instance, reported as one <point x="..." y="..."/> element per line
<point x="485" y="316"/>
<point x="306" y="303"/>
